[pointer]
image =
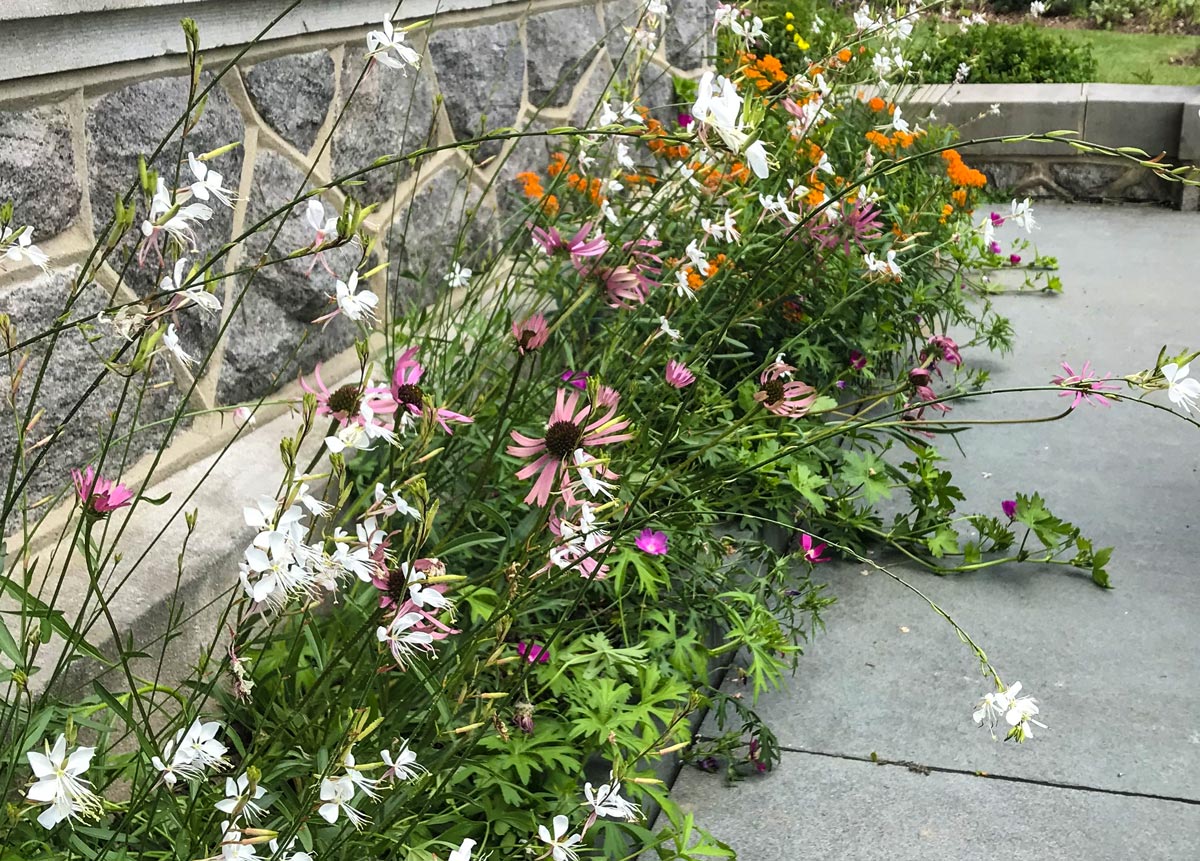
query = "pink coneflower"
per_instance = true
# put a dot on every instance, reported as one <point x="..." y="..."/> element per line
<point x="1084" y="386"/>
<point x="99" y="495"/>
<point x="530" y="335"/>
<point x="626" y="288"/>
<point x="345" y="403"/>
<point x="928" y="395"/>
<point x="678" y="375"/>
<point x="812" y="552"/>
<point x="1009" y="507"/>
<point x="858" y="223"/>
<point x="857" y="360"/>
<point x="920" y="376"/>
<point x="551" y="241"/>
<point x="533" y="653"/>
<point x="654" y="543"/>
<point x="790" y="399"/>
<point x="406" y="391"/>
<point x="567" y="432"/>
<point x="578" y="379"/>
<point x="943" y="347"/>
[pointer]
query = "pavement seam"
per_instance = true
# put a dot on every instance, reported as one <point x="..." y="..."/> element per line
<point x="921" y="768"/>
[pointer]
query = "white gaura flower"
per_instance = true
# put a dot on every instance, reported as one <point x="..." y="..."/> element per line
<point x="354" y="303"/>
<point x="561" y="845"/>
<point x="60" y="784"/>
<point x="208" y="182"/>
<point x="424" y="596"/>
<point x="1036" y="8"/>
<point x="315" y="506"/>
<point x="607" y="801"/>
<point x="171" y="342"/>
<point x="696" y="256"/>
<point x="193" y="751"/>
<point x="962" y="73"/>
<point x="887" y="267"/>
<point x="724" y="230"/>
<point x="898" y="122"/>
<point x="665" y="328"/>
<point x="463" y="852"/>
<point x="403" y="767"/>
<point x="1019" y="714"/>
<point x="366" y="784"/>
<point x="778" y="205"/>
<point x="233" y="846"/>
<point x="381" y="42"/>
<point x="682" y="288"/>
<point x="458" y="276"/>
<point x="176" y="221"/>
<point x="182" y="296"/>
<point x="21" y="247"/>
<point x="863" y="19"/>
<point x="719" y="107"/>
<point x="336" y="795"/>
<point x="239" y="800"/>
<point x="1183" y="390"/>
<point x="401" y="640"/>
<point x="1022" y="214"/>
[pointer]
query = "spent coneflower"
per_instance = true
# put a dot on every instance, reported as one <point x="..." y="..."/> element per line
<point x="99" y="495"/>
<point x="781" y="396"/>
<point x="530" y="335"/>
<point x="409" y="397"/>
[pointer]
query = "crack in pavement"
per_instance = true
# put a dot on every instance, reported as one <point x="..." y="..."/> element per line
<point x="921" y="768"/>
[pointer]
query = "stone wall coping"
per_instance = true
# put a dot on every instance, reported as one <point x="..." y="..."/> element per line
<point x="44" y="39"/>
<point x="1157" y="119"/>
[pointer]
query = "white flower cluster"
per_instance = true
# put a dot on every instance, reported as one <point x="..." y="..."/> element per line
<point x="1009" y="707"/>
<point x="338" y="792"/>
<point x="719" y="107"/>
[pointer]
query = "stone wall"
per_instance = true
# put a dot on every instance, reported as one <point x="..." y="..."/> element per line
<point x="69" y="143"/>
<point x="1162" y="121"/>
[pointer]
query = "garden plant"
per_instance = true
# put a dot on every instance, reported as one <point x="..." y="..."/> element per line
<point x="722" y="342"/>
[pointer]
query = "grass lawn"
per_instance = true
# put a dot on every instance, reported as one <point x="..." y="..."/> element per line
<point x="1139" y="58"/>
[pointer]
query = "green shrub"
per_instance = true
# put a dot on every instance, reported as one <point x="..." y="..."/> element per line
<point x="1004" y="54"/>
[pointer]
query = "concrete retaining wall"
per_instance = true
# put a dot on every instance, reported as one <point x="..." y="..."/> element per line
<point x="1160" y="120"/>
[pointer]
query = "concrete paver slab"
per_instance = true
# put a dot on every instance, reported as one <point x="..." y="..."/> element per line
<point x="1117" y="673"/>
<point x="816" y="807"/>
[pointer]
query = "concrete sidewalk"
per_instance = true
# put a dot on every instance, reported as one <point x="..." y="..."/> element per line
<point x="1117" y="673"/>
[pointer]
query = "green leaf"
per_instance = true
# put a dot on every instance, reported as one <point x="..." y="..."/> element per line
<point x="9" y="647"/>
<point x="869" y="472"/>
<point x="808" y="484"/>
<point x="1099" y="563"/>
<point x="943" y="542"/>
<point x="471" y="539"/>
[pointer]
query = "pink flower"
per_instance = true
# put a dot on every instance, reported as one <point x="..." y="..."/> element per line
<point x="925" y="393"/>
<point x="943" y="347"/>
<point x="243" y="416"/>
<point x="409" y="397"/>
<point x="654" y="543"/>
<point x="533" y="653"/>
<point x="812" y="552"/>
<point x="994" y="247"/>
<point x="920" y="376"/>
<point x="684" y="120"/>
<point x="578" y="379"/>
<point x="345" y="403"/>
<point x="788" y="399"/>
<point x="396" y="584"/>
<point x="99" y="495"/>
<point x="530" y="335"/>
<point x="626" y="288"/>
<point x="567" y="432"/>
<point x="1014" y="259"/>
<point x="1084" y="386"/>
<point x="857" y="360"/>
<point x="997" y="219"/>
<point x="551" y="241"/>
<point x="678" y="375"/>
<point x="1009" y="507"/>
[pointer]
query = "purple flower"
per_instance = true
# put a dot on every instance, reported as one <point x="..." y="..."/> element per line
<point x="841" y="384"/>
<point x="578" y="379"/>
<point x="533" y="653"/>
<point x="997" y="219"/>
<point x="1009" y="507"/>
<point x="685" y="119"/>
<point x="857" y="360"/>
<point x="654" y="543"/>
<point x="812" y="552"/>
<point x="994" y="248"/>
<point x="1014" y="259"/>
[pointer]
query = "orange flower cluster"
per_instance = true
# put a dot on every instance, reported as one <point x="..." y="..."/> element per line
<point x="655" y="141"/>
<point x="960" y="173"/>
<point x="899" y="139"/>
<point x="765" y="72"/>
<point x="531" y="187"/>
<point x="590" y="187"/>
<point x="695" y="279"/>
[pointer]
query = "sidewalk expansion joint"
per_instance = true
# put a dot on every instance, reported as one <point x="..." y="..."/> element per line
<point x="921" y="768"/>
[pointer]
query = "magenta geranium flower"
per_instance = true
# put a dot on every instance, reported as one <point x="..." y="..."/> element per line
<point x="857" y="360"/>
<point x="569" y="431"/>
<point x="782" y="396"/>
<point x="533" y="653"/>
<point x="406" y="391"/>
<point x="812" y="552"/>
<point x="530" y="335"/>
<point x="943" y="347"/>
<point x="345" y="403"/>
<point x="1009" y="507"/>
<point x="578" y="379"/>
<point x="654" y="543"/>
<point x="552" y="242"/>
<point x="678" y="375"/>
<point x="99" y="495"/>
<point x="1084" y="386"/>
<point x="1014" y="259"/>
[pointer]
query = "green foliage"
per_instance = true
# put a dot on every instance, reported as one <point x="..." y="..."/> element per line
<point x="1008" y="54"/>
